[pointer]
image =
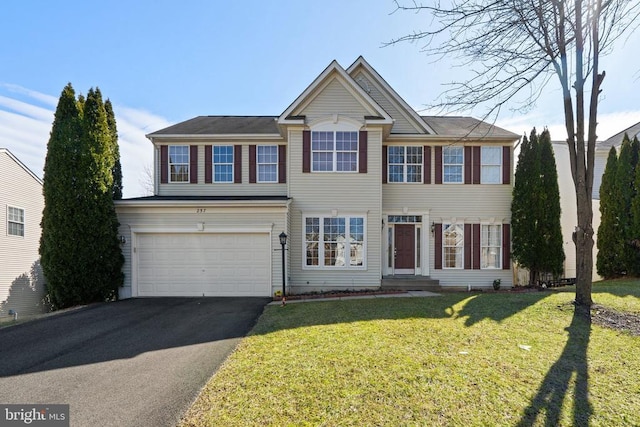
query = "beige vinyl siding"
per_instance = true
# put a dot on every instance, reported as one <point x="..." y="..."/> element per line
<point x="476" y="279"/>
<point x="222" y="189"/>
<point x="599" y="165"/>
<point x="334" y="99"/>
<point x="185" y="220"/>
<point x="349" y="194"/>
<point x="401" y="124"/>
<point x="22" y="284"/>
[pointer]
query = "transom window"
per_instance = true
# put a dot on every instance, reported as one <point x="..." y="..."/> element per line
<point x="491" y="165"/>
<point x="491" y="246"/>
<point x="452" y="245"/>
<point x="334" y="242"/>
<point x="179" y="163"/>
<point x="405" y="164"/>
<point x="15" y="221"/>
<point x="223" y="163"/>
<point x="452" y="163"/>
<point x="404" y="218"/>
<point x="334" y="151"/>
<point x="267" y="163"/>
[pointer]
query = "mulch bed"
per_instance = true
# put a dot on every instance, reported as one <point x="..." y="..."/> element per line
<point x="617" y="320"/>
<point x="339" y="294"/>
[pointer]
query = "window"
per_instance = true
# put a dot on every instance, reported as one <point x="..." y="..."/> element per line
<point x="223" y="163"/>
<point x="490" y="246"/>
<point x="334" y="242"/>
<point x="452" y="245"/>
<point x="267" y="163"/>
<point x="334" y="151"/>
<point x="15" y="221"/>
<point x="179" y="163"/>
<point x="405" y="164"/>
<point x="491" y="165"/>
<point x="452" y="162"/>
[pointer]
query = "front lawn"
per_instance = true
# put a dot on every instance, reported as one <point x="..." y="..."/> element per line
<point x="459" y="359"/>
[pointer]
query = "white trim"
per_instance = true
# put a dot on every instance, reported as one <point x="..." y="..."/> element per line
<point x="500" y="177"/>
<point x="169" y="181"/>
<point x="405" y="164"/>
<point x="24" y="222"/>
<point x="277" y="163"/>
<point x="156" y="229"/>
<point x="404" y="109"/>
<point x="320" y="82"/>
<point x="197" y="203"/>
<point x="323" y="267"/>
<point x="22" y="165"/>
<point x="491" y="222"/>
<point x="213" y="164"/>
<point x="454" y="164"/>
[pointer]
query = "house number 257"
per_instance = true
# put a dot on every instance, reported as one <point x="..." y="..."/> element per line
<point x="201" y="210"/>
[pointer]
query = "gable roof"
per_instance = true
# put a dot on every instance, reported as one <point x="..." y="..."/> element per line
<point x="390" y="94"/>
<point x="222" y="125"/>
<point x="616" y="140"/>
<point x="333" y="70"/>
<point x="466" y="127"/>
<point x="22" y="165"/>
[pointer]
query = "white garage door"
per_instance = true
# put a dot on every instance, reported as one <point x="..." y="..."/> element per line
<point x="204" y="264"/>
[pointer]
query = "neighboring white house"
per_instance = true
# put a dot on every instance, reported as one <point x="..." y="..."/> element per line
<point x="362" y="185"/>
<point x="22" y="286"/>
<point x="569" y="217"/>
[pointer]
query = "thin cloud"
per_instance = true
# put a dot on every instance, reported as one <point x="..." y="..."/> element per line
<point x="26" y="117"/>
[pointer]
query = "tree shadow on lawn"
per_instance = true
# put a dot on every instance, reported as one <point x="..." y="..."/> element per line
<point x="553" y="390"/>
<point x="474" y="306"/>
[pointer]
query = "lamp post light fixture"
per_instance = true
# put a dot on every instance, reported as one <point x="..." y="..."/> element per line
<point x="283" y="243"/>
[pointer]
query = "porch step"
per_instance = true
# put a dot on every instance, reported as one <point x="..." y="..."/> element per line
<point x="410" y="283"/>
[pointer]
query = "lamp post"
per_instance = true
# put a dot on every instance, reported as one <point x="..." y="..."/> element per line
<point x="283" y="243"/>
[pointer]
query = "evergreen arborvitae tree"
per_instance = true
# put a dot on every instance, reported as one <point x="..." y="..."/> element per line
<point x="635" y="214"/>
<point x="625" y="178"/>
<point x="608" y="262"/>
<point x="103" y="257"/>
<point x="80" y="252"/>
<point x="525" y="208"/>
<point x="117" y="168"/>
<point x="550" y="251"/>
<point x="58" y="248"/>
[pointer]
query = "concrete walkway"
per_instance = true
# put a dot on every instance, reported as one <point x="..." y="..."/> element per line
<point x="407" y="294"/>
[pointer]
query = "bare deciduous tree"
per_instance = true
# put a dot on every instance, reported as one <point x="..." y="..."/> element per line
<point x="515" y="45"/>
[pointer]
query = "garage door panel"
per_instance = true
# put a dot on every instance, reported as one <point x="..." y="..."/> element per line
<point x="204" y="264"/>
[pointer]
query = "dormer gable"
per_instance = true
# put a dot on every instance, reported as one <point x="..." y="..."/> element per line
<point x="406" y="119"/>
<point x="333" y="93"/>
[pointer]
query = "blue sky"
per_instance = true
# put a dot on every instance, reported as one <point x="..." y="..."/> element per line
<point x="161" y="62"/>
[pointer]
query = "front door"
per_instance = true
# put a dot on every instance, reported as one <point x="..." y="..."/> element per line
<point x="405" y="244"/>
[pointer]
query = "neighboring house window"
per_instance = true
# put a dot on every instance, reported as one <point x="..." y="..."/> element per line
<point x="334" y="242"/>
<point x="334" y="151"/>
<point x="452" y="162"/>
<point x="267" y="163"/>
<point x="179" y="163"/>
<point x="491" y="165"/>
<point x="15" y="221"/>
<point x="405" y="164"/>
<point x="491" y="246"/>
<point x="223" y="163"/>
<point x="452" y="245"/>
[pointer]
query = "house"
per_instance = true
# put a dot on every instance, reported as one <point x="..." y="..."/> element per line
<point x="364" y="187"/>
<point x="22" y="285"/>
<point x="569" y="216"/>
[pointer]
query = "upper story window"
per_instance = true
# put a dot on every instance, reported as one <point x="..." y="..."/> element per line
<point x="179" y="163"/>
<point x="491" y="246"/>
<point x="453" y="163"/>
<point x="452" y="245"/>
<point x="223" y="163"/>
<point x="405" y="164"/>
<point x="267" y="163"/>
<point x="15" y="221"/>
<point x="334" y="151"/>
<point x="491" y="165"/>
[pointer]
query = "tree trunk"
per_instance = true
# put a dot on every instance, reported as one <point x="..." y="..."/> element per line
<point x="583" y="239"/>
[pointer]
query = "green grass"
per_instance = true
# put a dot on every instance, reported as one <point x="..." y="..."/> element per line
<point x="449" y="360"/>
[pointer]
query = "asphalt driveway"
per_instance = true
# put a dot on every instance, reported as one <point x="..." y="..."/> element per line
<point x="138" y="362"/>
